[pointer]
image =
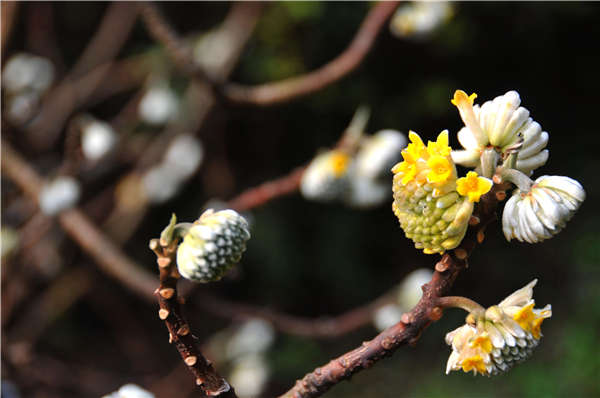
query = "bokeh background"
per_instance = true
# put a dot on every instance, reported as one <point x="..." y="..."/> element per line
<point x="306" y="258"/>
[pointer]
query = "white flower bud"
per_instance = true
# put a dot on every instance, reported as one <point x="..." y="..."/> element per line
<point x="130" y="391"/>
<point x="160" y="183"/>
<point x="184" y="155"/>
<point x="158" y="105"/>
<point x="502" y="124"/>
<point x="213" y="244"/>
<point x="364" y="192"/>
<point x="249" y="375"/>
<point x="420" y="18"/>
<point x="379" y="153"/>
<point x="386" y="316"/>
<point x="543" y="211"/>
<point x="59" y="194"/>
<point x="410" y="291"/>
<point x="97" y="139"/>
<point x="253" y="337"/>
<point x="27" y="72"/>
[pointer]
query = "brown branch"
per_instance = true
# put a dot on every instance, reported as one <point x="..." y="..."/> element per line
<point x="413" y="323"/>
<point x="9" y="15"/>
<point x="81" y="229"/>
<point x="209" y="381"/>
<point x="162" y="32"/>
<point x="322" y="327"/>
<point x="346" y="62"/>
<point x="257" y="196"/>
<point x="93" y="66"/>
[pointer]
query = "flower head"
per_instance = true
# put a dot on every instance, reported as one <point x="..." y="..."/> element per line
<point x="503" y="125"/>
<point x="378" y="153"/>
<point x="325" y="177"/>
<point x="543" y="211"/>
<point x="418" y="19"/>
<point x="473" y="186"/>
<point x="212" y="245"/>
<point x="506" y="334"/>
<point x="429" y="209"/>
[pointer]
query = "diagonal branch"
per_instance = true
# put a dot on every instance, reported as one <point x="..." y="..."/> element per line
<point x="346" y="62"/>
<point x="413" y="323"/>
<point x="209" y="381"/>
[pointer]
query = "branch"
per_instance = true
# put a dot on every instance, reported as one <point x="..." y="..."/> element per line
<point x="323" y="327"/>
<point x="413" y="323"/>
<point x="346" y="62"/>
<point x="265" y="192"/>
<point x="207" y="378"/>
<point x="81" y="229"/>
<point x="95" y="62"/>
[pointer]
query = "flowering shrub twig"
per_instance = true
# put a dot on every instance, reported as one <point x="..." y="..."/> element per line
<point x="179" y="330"/>
<point x="346" y="62"/>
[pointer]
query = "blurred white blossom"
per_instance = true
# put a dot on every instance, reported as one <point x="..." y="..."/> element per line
<point x="184" y="155"/>
<point x="249" y="375"/>
<point x="420" y="18"/>
<point x="97" y="139"/>
<point x="158" y="105"/>
<point x="59" y="194"/>
<point x="252" y="337"/>
<point x="409" y="291"/>
<point x="130" y="391"/>
<point x="386" y="316"/>
<point x="27" y="72"/>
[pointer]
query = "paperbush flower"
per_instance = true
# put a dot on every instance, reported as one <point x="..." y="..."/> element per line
<point x="420" y="18"/>
<point x="325" y="178"/>
<point x="501" y="124"/>
<point x="430" y="209"/>
<point x="543" y="211"/>
<point x="378" y="153"/>
<point x="503" y="336"/>
<point x="212" y="245"/>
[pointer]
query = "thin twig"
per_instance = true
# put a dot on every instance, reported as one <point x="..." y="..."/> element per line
<point x="413" y="323"/>
<point x="346" y="62"/>
<point x="209" y="381"/>
<point x="322" y="327"/>
<point x="9" y="14"/>
<point x="257" y="196"/>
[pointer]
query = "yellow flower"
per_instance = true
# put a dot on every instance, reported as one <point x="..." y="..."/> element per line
<point x="415" y="149"/>
<point x="441" y="169"/>
<point x="483" y="341"/>
<point x="473" y="186"/>
<point x="408" y="169"/>
<point x="440" y="147"/>
<point x="525" y="317"/>
<point x="460" y="97"/>
<point x="504" y="335"/>
<point x="474" y="363"/>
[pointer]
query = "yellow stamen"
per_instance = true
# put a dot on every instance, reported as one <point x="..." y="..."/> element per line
<point x="339" y="163"/>
<point x="474" y="363"/>
<point x="525" y="317"/>
<point x="473" y="186"/>
<point x="482" y="341"/>
<point x="536" y="328"/>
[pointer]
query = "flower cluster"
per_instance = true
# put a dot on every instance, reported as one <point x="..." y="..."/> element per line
<point x="501" y="133"/>
<point x="434" y="205"/>
<point x="501" y="125"/>
<point x="494" y="340"/>
<point x="543" y="211"/>
<point x="356" y="172"/>
<point x="212" y="245"/>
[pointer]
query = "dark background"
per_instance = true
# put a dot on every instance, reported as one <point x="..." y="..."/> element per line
<point x="313" y="259"/>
